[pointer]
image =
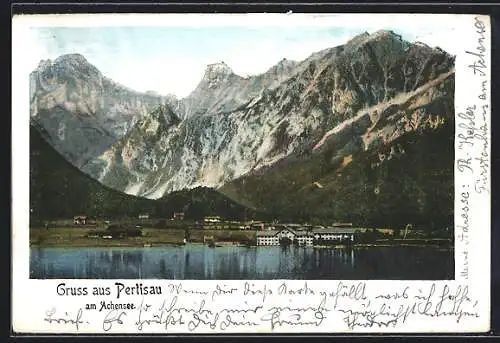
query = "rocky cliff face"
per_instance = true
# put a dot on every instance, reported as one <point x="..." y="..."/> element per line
<point x="221" y="90"/>
<point x="365" y="94"/>
<point x="391" y="164"/>
<point x="186" y="154"/>
<point x="81" y="111"/>
<point x="386" y="150"/>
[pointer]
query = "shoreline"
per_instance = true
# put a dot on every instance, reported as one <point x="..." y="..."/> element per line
<point x="151" y="237"/>
<point x="161" y="244"/>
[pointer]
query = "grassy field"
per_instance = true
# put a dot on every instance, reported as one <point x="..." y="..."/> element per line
<point x="77" y="237"/>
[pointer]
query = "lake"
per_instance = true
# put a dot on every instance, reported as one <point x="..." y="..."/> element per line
<point x="199" y="262"/>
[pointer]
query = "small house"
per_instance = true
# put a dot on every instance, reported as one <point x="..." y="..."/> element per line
<point x="212" y="219"/>
<point x="80" y="220"/>
<point x="178" y="216"/>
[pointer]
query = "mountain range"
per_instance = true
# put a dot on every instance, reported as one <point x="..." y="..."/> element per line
<point x="362" y="131"/>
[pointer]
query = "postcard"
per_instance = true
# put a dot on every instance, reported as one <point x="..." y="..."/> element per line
<point x="251" y="173"/>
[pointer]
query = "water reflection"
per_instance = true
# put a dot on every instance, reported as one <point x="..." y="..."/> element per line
<point x="200" y="262"/>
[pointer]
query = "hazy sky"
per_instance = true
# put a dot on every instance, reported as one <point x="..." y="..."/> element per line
<point x="171" y="59"/>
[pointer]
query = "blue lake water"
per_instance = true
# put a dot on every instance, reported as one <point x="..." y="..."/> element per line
<point x="198" y="262"/>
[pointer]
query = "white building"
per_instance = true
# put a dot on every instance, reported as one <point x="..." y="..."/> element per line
<point x="306" y="237"/>
<point x="267" y="237"/>
<point x="286" y="233"/>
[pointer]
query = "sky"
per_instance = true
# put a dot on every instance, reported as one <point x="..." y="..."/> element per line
<point x="171" y="59"/>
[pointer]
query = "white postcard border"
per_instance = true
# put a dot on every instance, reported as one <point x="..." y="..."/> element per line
<point x="333" y="303"/>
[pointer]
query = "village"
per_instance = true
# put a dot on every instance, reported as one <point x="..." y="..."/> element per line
<point x="216" y="231"/>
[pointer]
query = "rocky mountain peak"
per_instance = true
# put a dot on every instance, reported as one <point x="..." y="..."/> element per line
<point x="69" y="66"/>
<point x="70" y="63"/>
<point x="67" y="59"/>
<point x="386" y="34"/>
<point x="219" y="67"/>
<point x="376" y="37"/>
<point x="82" y="111"/>
<point x="72" y="58"/>
<point x="216" y="73"/>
